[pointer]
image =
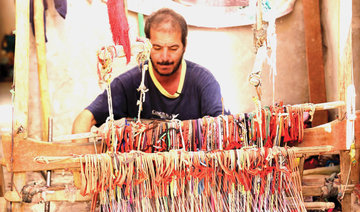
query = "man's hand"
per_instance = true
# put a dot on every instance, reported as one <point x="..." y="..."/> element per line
<point x="83" y="123"/>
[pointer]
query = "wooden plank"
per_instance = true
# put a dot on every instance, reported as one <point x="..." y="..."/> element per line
<point x="312" y="190"/>
<point x="333" y="133"/>
<point x="21" y="81"/>
<point x="322" y="170"/>
<point x="345" y="79"/>
<point x="62" y="195"/>
<point x="345" y="179"/>
<point x="26" y="150"/>
<point x="3" y="204"/>
<point x="41" y="64"/>
<point x="345" y="64"/>
<point x="21" y="65"/>
<point x="2" y="182"/>
<point x="319" y="205"/>
<point x="316" y="190"/>
<point x="52" y="196"/>
<point x="315" y="180"/>
<point x="314" y="57"/>
<point x="19" y="183"/>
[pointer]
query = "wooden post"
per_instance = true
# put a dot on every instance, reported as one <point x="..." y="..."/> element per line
<point x="345" y="78"/>
<point x="2" y="183"/>
<point x="19" y="182"/>
<point x="21" y="81"/>
<point x="314" y="57"/>
<point x="21" y="66"/>
<point x="41" y="64"/>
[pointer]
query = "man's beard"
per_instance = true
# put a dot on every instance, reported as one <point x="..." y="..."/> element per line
<point x="167" y="63"/>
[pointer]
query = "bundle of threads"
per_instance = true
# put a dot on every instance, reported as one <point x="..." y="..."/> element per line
<point x="273" y="126"/>
<point x="247" y="179"/>
<point x="231" y="162"/>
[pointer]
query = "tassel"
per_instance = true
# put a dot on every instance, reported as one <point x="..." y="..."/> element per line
<point x="119" y="25"/>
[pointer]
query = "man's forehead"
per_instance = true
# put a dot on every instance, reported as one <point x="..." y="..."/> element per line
<point x="165" y="38"/>
<point x="161" y="43"/>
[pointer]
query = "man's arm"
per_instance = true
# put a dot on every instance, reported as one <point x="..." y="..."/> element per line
<point x="83" y="123"/>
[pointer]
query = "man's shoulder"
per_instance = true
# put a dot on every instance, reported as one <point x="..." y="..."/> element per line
<point x="131" y="74"/>
<point x="193" y="65"/>
<point x="197" y="70"/>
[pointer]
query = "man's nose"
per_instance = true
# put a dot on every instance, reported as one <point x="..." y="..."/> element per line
<point x="164" y="54"/>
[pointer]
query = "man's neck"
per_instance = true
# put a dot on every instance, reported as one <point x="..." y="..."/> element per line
<point x="170" y="83"/>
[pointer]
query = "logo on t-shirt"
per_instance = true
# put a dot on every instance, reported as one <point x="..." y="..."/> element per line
<point x="163" y="115"/>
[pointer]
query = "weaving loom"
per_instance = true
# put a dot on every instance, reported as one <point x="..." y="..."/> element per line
<point x="210" y="164"/>
<point x="213" y="163"/>
<point x="240" y="162"/>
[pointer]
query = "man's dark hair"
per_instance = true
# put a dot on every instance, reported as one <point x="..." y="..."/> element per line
<point x="166" y="15"/>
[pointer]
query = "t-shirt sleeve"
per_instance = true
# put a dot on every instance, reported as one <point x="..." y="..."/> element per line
<point x="210" y="92"/>
<point x="100" y="108"/>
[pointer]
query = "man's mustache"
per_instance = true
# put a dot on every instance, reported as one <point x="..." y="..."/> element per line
<point x="165" y="63"/>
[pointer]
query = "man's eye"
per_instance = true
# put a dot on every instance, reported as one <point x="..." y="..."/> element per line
<point x="156" y="48"/>
<point x="174" y="48"/>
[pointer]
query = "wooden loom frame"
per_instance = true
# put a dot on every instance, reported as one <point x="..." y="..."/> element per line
<point x="313" y="137"/>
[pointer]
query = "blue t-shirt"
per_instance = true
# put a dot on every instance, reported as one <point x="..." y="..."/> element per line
<point x="200" y="96"/>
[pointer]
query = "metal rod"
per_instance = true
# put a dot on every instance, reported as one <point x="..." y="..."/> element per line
<point x="12" y="141"/>
<point x="48" y="173"/>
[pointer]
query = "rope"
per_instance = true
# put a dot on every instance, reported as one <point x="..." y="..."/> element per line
<point x="142" y="57"/>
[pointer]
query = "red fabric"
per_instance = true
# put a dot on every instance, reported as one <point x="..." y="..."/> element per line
<point x="119" y="25"/>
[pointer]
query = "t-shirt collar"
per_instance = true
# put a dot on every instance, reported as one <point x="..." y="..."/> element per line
<point x="161" y="88"/>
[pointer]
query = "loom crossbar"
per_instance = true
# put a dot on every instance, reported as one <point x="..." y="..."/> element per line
<point x="62" y="195"/>
<point x="25" y="150"/>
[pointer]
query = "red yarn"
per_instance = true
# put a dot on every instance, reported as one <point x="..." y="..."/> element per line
<point x="119" y="25"/>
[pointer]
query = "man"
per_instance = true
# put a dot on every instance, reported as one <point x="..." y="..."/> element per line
<point x="177" y="87"/>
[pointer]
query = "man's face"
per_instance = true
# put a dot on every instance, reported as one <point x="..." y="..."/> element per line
<point x="167" y="50"/>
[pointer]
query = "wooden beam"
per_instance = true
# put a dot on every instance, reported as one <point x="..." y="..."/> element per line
<point x="319" y="205"/>
<point x="41" y="64"/>
<point x="19" y="183"/>
<point x="322" y="170"/>
<point x="52" y="196"/>
<point x="2" y="183"/>
<point x="21" y="66"/>
<point x="333" y="133"/>
<point x="314" y="57"/>
<point x="21" y="81"/>
<point x="316" y="190"/>
<point x="26" y="150"/>
<point x="62" y="195"/>
<point x="3" y="204"/>
<point x="350" y="173"/>
<point x="348" y="176"/>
